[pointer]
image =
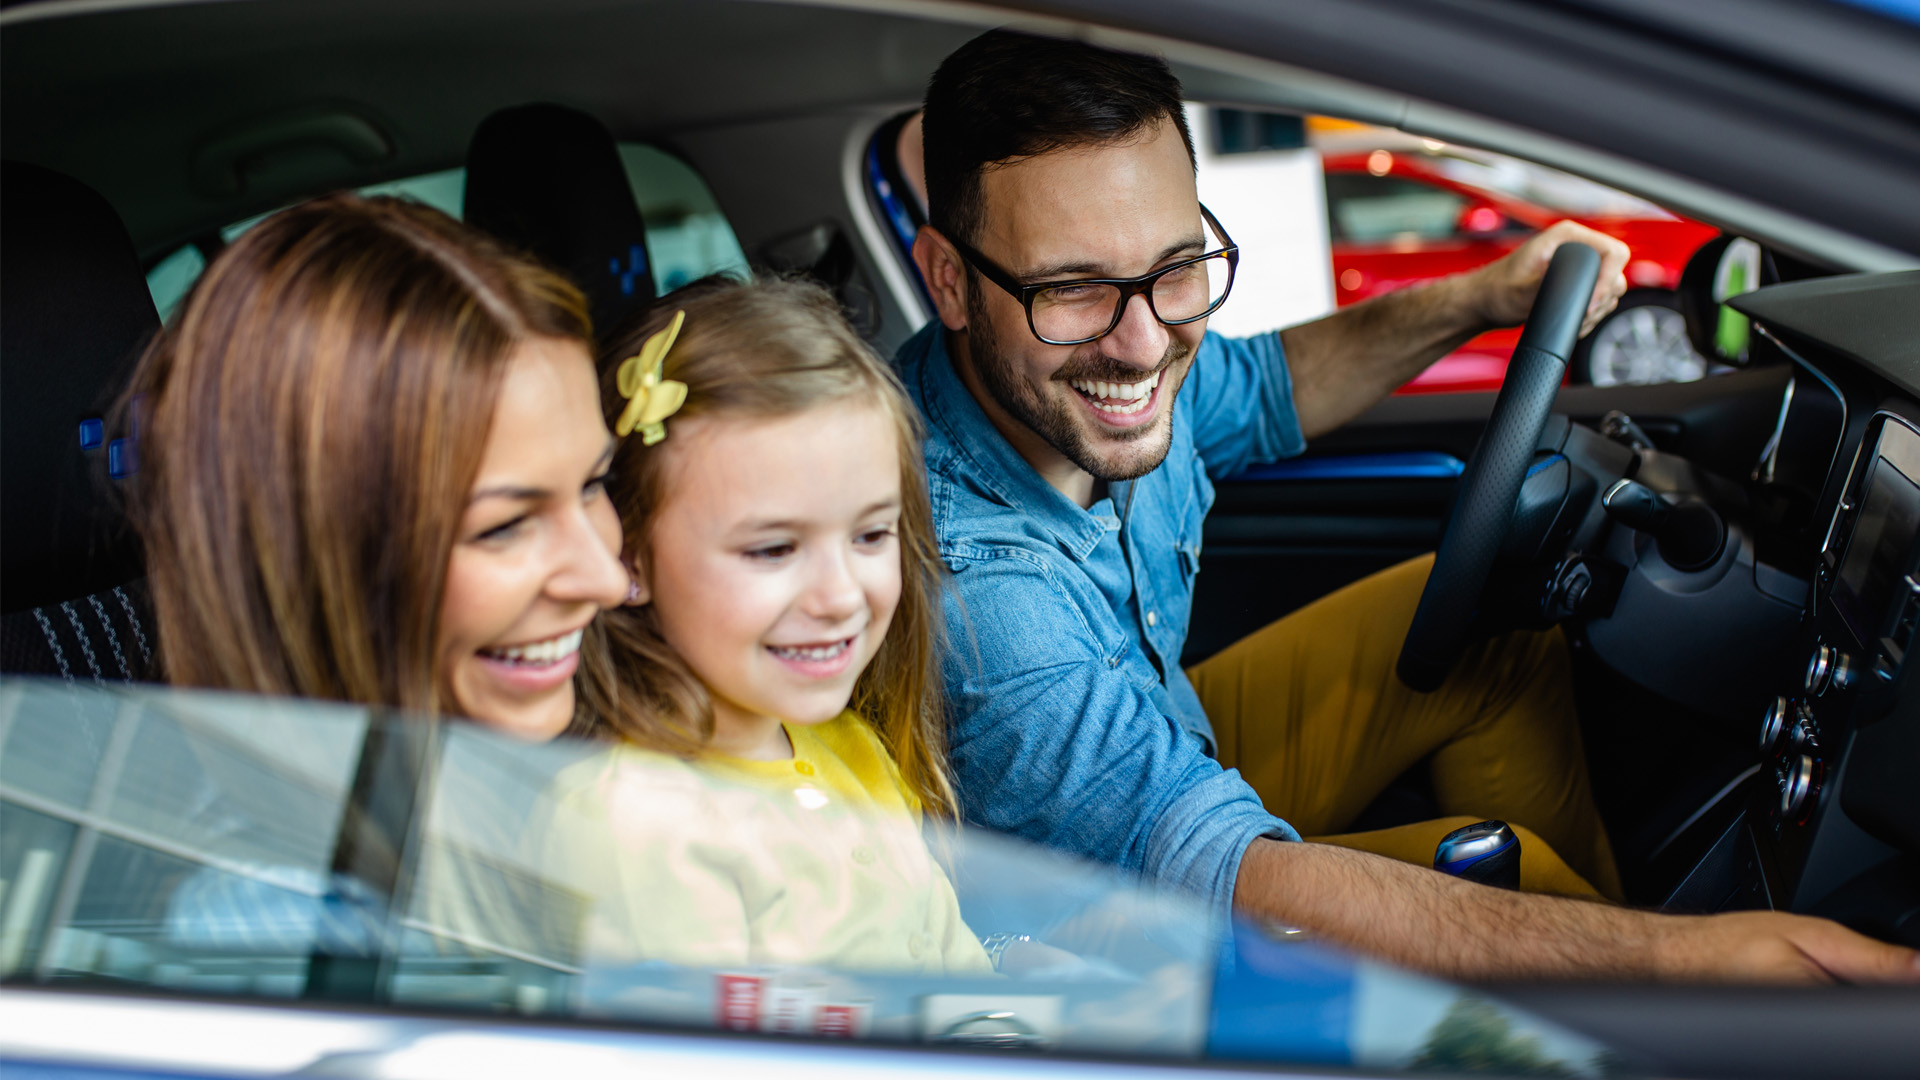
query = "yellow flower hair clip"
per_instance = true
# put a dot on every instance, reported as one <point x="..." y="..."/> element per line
<point x="650" y="398"/>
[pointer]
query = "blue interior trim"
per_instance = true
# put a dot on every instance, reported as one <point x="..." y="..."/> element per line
<point x="1409" y="465"/>
<point x="122" y="461"/>
<point x="901" y="222"/>
<point x="1544" y="464"/>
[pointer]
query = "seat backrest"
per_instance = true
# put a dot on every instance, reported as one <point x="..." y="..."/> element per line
<point x="74" y="313"/>
<point x="548" y="180"/>
<point x="99" y="638"/>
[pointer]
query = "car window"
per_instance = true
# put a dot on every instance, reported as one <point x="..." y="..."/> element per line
<point x="1543" y="186"/>
<point x="228" y="846"/>
<point x="1402" y="210"/>
<point x="1368" y="209"/>
<point x="170" y="278"/>
<point x="688" y="237"/>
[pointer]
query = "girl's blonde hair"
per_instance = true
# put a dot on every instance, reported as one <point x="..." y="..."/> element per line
<point x="333" y="373"/>
<point x="772" y="348"/>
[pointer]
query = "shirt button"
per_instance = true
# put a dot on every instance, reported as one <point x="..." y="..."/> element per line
<point x="864" y="856"/>
<point x="1152" y="618"/>
<point x="803" y="768"/>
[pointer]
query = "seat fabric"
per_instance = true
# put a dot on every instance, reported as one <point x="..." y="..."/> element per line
<point x="100" y="638"/>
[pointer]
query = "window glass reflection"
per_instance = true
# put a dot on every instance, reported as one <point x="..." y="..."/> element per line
<point x="234" y="846"/>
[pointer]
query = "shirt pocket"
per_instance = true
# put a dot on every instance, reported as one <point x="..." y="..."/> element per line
<point x="1189" y="552"/>
<point x="1187" y="555"/>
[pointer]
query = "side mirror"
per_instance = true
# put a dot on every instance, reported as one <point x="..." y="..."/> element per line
<point x="1723" y="268"/>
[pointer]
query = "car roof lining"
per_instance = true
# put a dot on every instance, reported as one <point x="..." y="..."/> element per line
<point x="86" y="91"/>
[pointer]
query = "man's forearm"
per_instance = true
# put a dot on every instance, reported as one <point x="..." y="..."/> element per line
<point x="1440" y="924"/>
<point x="1343" y="363"/>
<point x="1428" y="921"/>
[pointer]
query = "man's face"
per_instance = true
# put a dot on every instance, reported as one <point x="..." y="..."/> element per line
<point x="1111" y="210"/>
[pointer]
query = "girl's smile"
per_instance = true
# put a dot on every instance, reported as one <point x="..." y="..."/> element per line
<point x="821" y="661"/>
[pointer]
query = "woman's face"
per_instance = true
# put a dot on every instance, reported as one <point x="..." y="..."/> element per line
<point x="773" y="563"/>
<point x="536" y="557"/>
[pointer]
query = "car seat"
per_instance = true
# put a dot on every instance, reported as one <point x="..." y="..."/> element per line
<point x="548" y="180"/>
<point x="74" y="313"/>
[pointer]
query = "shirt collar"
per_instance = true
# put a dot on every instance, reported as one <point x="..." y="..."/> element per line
<point x="992" y="461"/>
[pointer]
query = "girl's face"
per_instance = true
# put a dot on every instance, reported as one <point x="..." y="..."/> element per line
<point x="536" y="557"/>
<point x="774" y="565"/>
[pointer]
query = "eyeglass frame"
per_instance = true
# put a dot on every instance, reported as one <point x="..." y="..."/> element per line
<point x="1129" y="287"/>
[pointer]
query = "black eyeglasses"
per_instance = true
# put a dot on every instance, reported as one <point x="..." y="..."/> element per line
<point x="1075" y="312"/>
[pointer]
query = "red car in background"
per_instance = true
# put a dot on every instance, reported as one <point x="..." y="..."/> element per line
<point x="1401" y="216"/>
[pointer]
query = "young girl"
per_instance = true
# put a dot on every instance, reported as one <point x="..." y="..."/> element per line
<point x="781" y="639"/>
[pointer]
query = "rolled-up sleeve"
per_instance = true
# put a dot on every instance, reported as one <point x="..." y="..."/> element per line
<point x="1058" y="740"/>
<point x="1240" y="397"/>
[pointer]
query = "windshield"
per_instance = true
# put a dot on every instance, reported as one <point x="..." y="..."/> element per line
<point x="232" y="846"/>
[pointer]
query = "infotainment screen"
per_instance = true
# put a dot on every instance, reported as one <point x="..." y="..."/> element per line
<point x="1883" y="548"/>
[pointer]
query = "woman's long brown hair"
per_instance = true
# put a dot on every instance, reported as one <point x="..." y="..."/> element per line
<point x="308" y="429"/>
<point x="766" y="349"/>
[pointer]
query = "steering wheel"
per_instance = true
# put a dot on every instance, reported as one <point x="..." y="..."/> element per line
<point x="1483" y="507"/>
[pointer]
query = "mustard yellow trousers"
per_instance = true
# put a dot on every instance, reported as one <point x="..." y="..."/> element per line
<point x="1310" y="712"/>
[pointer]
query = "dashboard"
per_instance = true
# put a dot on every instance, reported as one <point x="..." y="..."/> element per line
<point x="1834" y="821"/>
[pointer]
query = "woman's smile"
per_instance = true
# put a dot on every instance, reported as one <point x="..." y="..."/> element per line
<point x="536" y="666"/>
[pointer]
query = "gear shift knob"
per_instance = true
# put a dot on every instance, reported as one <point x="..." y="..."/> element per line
<point x="1487" y="852"/>
<point x="1690" y="534"/>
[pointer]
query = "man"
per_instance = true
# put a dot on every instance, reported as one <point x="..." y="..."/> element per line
<point x="1072" y="434"/>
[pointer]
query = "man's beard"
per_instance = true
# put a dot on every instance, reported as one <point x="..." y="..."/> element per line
<point x="1057" y="421"/>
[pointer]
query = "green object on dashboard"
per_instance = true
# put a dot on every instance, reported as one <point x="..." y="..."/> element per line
<point x="1730" y="335"/>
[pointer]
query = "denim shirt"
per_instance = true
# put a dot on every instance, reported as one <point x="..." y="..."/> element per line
<point x="1072" y="723"/>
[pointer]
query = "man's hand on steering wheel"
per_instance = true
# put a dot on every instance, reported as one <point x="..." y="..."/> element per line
<point x="1504" y="290"/>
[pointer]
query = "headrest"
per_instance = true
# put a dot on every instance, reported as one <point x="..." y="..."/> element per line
<point x="547" y="180"/>
<point x="74" y="312"/>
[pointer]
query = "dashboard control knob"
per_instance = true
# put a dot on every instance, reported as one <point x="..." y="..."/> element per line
<point x="1774" y="725"/>
<point x="1803" y="737"/>
<point x="1799" y="778"/>
<point x="1828" y="669"/>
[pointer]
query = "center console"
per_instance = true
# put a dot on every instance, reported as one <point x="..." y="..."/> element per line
<point x="1835" y="820"/>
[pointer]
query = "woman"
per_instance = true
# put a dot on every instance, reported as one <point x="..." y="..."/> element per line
<point x="371" y="471"/>
<point x="372" y="460"/>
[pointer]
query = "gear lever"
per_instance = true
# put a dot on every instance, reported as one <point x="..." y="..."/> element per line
<point x="1486" y="852"/>
<point x="1690" y="534"/>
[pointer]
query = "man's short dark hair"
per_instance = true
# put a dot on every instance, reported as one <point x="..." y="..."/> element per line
<point x="1007" y="95"/>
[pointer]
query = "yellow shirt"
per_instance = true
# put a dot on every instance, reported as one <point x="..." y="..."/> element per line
<point x="843" y="756"/>
<point x="723" y="862"/>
